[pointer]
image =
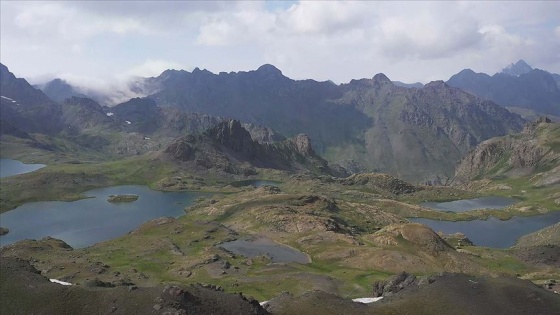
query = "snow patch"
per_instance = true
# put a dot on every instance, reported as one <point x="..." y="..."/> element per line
<point x="110" y="114"/>
<point x="9" y="99"/>
<point x="367" y="300"/>
<point x="60" y="282"/>
<point x="263" y="303"/>
<point x="127" y="122"/>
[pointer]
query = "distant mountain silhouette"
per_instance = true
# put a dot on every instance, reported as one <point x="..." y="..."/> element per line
<point x="518" y="85"/>
<point x="59" y="90"/>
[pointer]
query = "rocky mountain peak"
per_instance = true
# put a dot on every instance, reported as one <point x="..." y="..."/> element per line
<point x="466" y="71"/>
<point x="59" y="90"/>
<point x="269" y="69"/>
<point x="381" y="79"/>
<point x="231" y="134"/>
<point x="517" y="69"/>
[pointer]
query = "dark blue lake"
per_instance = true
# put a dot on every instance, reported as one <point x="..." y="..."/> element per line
<point x="471" y="204"/>
<point x="9" y="167"/>
<point x="88" y="221"/>
<point x="494" y="232"/>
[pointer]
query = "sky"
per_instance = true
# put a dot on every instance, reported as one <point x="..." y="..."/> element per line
<point x="104" y="43"/>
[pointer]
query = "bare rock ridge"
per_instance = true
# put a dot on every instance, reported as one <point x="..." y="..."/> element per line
<point x="228" y="147"/>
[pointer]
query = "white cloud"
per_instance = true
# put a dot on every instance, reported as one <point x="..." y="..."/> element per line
<point x="151" y="68"/>
<point x="65" y="22"/>
<point x="313" y="17"/>
<point x="336" y="40"/>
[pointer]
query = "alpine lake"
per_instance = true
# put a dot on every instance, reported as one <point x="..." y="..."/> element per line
<point x="9" y="167"/>
<point x="94" y="219"/>
<point x="492" y="232"/>
<point x="84" y="222"/>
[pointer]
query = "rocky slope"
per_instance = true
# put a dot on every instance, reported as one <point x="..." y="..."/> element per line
<point x="547" y="236"/>
<point x="516" y="86"/>
<point x="446" y="293"/>
<point x="25" y="291"/>
<point x="534" y="151"/>
<point x="26" y="109"/>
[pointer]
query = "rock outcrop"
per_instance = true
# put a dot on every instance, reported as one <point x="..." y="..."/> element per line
<point x="397" y="283"/>
<point x="228" y="147"/>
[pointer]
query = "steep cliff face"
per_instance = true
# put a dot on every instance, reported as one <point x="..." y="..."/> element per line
<point x="534" y="150"/>
<point x="228" y="147"/>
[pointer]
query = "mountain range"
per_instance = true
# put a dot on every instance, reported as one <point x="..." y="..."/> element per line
<point x="218" y="137"/>
<point x="365" y="125"/>
<point x="372" y="124"/>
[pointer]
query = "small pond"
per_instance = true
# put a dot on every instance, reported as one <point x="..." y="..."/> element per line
<point x="88" y="221"/>
<point x="9" y="167"/>
<point x="471" y="204"/>
<point x="255" y="183"/>
<point x="494" y="232"/>
<point x="263" y="246"/>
